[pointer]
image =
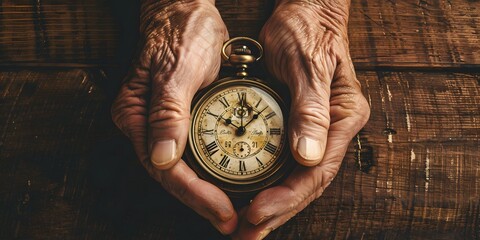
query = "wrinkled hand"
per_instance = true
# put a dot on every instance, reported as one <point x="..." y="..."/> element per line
<point x="180" y="54"/>
<point x="306" y="47"/>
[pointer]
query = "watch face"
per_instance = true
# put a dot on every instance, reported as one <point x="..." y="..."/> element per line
<point x="238" y="133"/>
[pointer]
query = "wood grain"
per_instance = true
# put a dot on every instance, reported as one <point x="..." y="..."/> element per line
<point x="415" y="33"/>
<point x="57" y="32"/>
<point x="425" y="180"/>
<point x="65" y="172"/>
<point x="398" y="34"/>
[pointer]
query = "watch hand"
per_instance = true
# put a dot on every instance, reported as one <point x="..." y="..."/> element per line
<point x="260" y="111"/>
<point x="228" y="121"/>
<point x="255" y="116"/>
<point x="241" y="118"/>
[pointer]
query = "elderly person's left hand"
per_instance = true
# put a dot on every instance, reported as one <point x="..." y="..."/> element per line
<point x="306" y="47"/>
<point x="179" y="54"/>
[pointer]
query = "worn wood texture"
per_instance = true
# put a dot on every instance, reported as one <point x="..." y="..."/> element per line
<point x="408" y="33"/>
<point x="411" y="33"/>
<point x="56" y="32"/>
<point x="65" y="172"/>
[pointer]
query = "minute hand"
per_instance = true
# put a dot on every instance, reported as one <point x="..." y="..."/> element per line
<point x="255" y="116"/>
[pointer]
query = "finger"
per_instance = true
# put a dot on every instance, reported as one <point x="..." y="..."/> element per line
<point x="275" y="206"/>
<point x="309" y="83"/>
<point x="349" y="109"/>
<point x="247" y="230"/>
<point x="174" y="82"/>
<point x="306" y="184"/>
<point x="308" y="70"/>
<point x="179" y="69"/>
<point x="129" y="109"/>
<point x="290" y="197"/>
<point x="204" y="198"/>
<point x="309" y="123"/>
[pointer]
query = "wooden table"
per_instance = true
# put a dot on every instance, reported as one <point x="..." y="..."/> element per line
<point x="67" y="173"/>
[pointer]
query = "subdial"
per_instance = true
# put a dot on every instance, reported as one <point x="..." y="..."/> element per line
<point x="241" y="149"/>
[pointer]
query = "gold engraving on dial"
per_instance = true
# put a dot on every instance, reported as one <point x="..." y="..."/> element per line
<point x="238" y="133"/>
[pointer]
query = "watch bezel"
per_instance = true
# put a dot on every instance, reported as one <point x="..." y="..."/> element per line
<point x="234" y="187"/>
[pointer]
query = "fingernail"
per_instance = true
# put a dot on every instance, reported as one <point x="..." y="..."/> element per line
<point x="309" y="149"/>
<point x="264" y="233"/>
<point x="217" y="226"/>
<point x="163" y="152"/>
<point x="263" y="219"/>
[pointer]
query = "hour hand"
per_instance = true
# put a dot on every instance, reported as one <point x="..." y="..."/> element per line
<point x="228" y="121"/>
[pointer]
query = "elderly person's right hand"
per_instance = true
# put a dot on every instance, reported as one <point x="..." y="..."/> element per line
<point x="306" y="47"/>
<point x="180" y="54"/>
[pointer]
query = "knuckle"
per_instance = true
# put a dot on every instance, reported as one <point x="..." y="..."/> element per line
<point x="130" y="123"/>
<point x="158" y="54"/>
<point x="351" y="105"/>
<point x="312" y="111"/>
<point x="361" y="110"/>
<point x="129" y="108"/>
<point x="365" y="114"/>
<point x="168" y="112"/>
<point x="163" y="56"/>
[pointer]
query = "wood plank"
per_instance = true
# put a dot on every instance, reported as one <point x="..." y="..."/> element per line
<point x="65" y="172"/>
<point x="423" y="141"/>
<point x="403" y="34"/>
<point x="57" y="32"/>
<point x="415" y="33"/>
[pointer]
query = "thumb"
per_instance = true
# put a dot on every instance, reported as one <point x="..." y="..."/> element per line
<point x="309" y="118"/>
<point x="169" y="116"/>
<point x="174" y="83"/>
<point x="168" y="129"/>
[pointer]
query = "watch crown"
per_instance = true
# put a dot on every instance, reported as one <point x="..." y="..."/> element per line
<point x="241" y="55"/>
<point x="243" y="50"/>
<point x="241" y="58"/>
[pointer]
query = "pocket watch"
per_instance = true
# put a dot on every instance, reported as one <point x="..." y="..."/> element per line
<point x="238" y="135"/>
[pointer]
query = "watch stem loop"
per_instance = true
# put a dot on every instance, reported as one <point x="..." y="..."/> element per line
<point x="242" y="56"/>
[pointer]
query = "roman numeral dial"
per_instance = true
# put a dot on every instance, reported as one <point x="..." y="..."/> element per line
<point x="224" y="102"/>
<point x="237" y="134"/>
<point x="271" y="148"/>
<point x="212" y="148"/>
<point x="225" y="161"/>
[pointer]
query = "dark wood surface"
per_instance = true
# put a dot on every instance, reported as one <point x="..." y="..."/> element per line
<point x="67" y="173"/>
<point x="407" y="33"/>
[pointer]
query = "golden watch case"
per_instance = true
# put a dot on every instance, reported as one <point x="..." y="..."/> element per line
<point x="238" y="129"/>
